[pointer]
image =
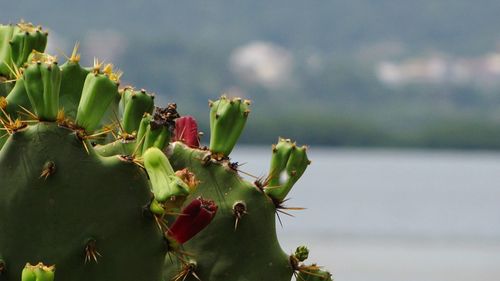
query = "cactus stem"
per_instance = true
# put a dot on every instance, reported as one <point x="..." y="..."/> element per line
<point x="288" y="163"/>
<point x="91" y="252"/>
<point x="49" y="168"/>
<point x="123" y="135"/>
<point x="166" y="186"/>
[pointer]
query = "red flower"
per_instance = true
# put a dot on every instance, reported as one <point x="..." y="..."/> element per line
<point x="194" y="218"/>
<point x="186" y="130"/>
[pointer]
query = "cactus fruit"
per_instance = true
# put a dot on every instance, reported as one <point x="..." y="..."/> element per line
<point x="17" y="42"/>
<point x="227" y="120"/>
<point x="38" y="272"/>
<point x="96" y="183"/>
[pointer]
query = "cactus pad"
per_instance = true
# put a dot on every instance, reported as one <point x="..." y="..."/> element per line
<point x="99" y="184"/>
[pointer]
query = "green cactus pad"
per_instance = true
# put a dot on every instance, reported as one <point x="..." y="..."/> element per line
<point x="224" y="247"/>
<point x="99" y="91"/>
<point x="17" y="43"/>
<point x="89" y="196"/>
<point x="72" y="81"/>
<point x="125" y="202"/>
<point x="155" y="137"/>
<point x="163" y="180"/>
<point x="288" y="163"/>
<point x="42" y="81"/>
<point x="5" y="50"/>
<point x="26" y="38"/>
<point x="227" y="120"/>
<point x="17" y="99"/>
<point x="38" y="272"/>
<point x="135" y="104"/>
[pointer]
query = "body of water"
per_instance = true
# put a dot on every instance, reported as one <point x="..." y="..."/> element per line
<point x="394" y="215"/>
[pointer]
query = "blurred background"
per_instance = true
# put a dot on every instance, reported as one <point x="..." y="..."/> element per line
<point x="399" y="101"/>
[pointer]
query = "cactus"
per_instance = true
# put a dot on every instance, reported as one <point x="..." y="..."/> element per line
<point x="96" y="183"/>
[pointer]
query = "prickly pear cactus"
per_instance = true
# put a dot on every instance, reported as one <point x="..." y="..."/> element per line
<point x="98" y="183"/>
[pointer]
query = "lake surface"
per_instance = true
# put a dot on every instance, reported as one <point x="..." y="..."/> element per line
<point x="394" y="215"/>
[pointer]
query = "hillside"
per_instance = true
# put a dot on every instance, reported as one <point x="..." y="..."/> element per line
<point x="328" y="90"/>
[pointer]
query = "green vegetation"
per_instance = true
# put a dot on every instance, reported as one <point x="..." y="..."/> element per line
<point x="137" y="199"/>
<point x="181" y="51"/>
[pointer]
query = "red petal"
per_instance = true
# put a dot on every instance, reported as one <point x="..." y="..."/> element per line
<point x="186" y="130"/>
<point x="194" y="218"/>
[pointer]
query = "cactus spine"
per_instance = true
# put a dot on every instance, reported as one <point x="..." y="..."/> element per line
<point x="150" y="204"/>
